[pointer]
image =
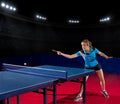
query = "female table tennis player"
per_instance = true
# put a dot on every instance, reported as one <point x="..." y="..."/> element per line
<point x="89" y="53"/>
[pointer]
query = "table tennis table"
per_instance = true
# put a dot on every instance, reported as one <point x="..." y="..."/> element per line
<point x="16" y="79"/>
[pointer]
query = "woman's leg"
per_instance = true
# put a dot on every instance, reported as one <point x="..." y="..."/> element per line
<point x="102" y="82"/>
<point x="79" y="96"/>
<point x="81" y="89"/>
<point x="101" y="77"/>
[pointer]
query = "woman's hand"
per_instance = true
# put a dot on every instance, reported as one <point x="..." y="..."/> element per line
<point x="58" y="52"/>
<point x="109" y="57"/>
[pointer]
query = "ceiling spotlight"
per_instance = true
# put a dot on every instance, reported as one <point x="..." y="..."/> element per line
<point x="14" y="9"/>
<point x="7" y="6"/>
<point x="3" y="4"/>
<point x="11" y="7"/>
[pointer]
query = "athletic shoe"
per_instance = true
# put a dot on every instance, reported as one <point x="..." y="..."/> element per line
<point x="78" y="97"/>
<point x="105" y="93"/>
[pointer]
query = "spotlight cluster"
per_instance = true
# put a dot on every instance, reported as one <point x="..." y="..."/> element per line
<point x="7" y="6"/>
<point x="106" y="19"/>
<point x="41" y="17"/>
<point x="73" y="21"/>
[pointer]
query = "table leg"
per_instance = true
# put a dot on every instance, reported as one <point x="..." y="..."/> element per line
<point x="45" y="96"/>
<point x="8" y="100"/>
<point x="18" y="99"/>
<point x="54" y="94"/>
<point x="84" y="89"/>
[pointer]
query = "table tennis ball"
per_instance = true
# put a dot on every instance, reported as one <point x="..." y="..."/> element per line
<point x="25" y="63"/>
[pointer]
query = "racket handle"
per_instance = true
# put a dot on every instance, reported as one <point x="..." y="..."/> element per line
<point x="54" y="50"/>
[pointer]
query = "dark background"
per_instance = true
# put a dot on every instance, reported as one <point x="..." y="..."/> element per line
<point x="20" y="36"/>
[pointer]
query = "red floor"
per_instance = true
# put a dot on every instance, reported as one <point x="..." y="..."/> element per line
<point x="68" y="90"/>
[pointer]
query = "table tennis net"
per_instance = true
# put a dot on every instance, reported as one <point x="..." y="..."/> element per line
<point x="47" y="72"/>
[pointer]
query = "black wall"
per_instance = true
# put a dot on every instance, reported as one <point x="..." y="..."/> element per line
<point x="18" y="36"/>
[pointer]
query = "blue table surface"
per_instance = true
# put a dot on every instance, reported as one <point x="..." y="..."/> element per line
<point x="11" y="82"/>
